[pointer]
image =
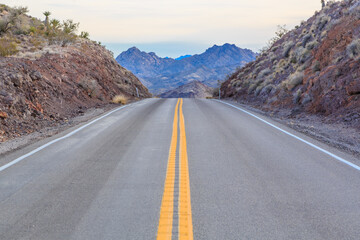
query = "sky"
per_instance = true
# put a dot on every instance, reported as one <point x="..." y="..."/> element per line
<point x="176" y="27"/>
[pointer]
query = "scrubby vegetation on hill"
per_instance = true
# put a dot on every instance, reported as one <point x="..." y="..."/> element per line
<point x="21" y="33"/>
<point x="314" y="68"/>
<point x="49" y="74"/>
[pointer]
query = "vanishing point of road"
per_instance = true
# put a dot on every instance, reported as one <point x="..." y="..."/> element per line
<point x="179" y="169"/>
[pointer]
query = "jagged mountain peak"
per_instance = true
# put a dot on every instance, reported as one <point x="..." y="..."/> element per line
<point x="161" y="74"/>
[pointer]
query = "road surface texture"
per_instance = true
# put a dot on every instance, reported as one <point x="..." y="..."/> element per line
<point x="179" y="169"/>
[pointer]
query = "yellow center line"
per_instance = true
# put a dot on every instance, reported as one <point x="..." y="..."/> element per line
<point x="185" y="227"/>
<point x="167" y="204"/>
<point x="185" y="216"/>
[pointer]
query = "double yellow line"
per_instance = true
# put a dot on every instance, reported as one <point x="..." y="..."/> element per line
<point x="185" y="228"/>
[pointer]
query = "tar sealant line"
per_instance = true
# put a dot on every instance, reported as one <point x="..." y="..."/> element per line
<point x="294" y="136"/>
<point x="2" y="168"/>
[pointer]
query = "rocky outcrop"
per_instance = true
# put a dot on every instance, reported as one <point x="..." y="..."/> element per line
<point x="51" y="74"/>
<point x="314" y="68"/>
<point x="55" y="87"/>
<point x="162" y="74"/>
<point x="193" y="89"/>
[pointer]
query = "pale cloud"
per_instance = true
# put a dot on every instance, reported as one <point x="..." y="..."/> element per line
<point x="244" y="22"/>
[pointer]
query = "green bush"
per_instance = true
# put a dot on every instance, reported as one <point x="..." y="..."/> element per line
<point x="84" y="35"/>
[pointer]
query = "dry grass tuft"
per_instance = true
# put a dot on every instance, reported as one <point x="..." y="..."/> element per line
<point x="8" y="47"/>
<point x="119" y="99"/>
<point x="294" y="80"/>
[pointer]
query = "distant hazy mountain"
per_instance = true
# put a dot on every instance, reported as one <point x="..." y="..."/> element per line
<point x="163" y="74"/>
<point x="193" y="89"/>
<point x="182" y="57"/>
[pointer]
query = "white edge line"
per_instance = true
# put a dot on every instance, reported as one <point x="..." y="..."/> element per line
<point x="294" y="136"/>
<point x="2" y="168"/>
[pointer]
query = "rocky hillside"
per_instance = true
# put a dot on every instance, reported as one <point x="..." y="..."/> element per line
<point x="45" y="80"/>
<point x="314" y="68"/>
<point x="193" y="89"/>
<point x="163" y="74"/>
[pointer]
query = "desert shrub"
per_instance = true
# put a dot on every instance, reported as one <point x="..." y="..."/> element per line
<point x="235" y="83"/>
<point x="8" y="47"/>
<point x="258" y="90"/>
<point x="287" y="48"/>
<point x="90" y="86"/>
<point x="316" y="67"/>
<point x="311" y="45"/>
<point x="280" y="32"/>
<point x="297" y="96"/>
<point x="353" y="49"/>
<point x="321" y="21"/>
<point x="302" y="54"/>
<point x="306" y="99"/>
<point x="263" y="73"/>
<point x="337" y="60"/>
<point x="272" y="57"/>
<point x="304" y="31"/>
<point x="274" y="48"/>
<point x="119" y="99"/>
<point x="37" y="42"/>
<point x="355" y="12"/>
<point x="84" y="35"/>
<point x="69" y="27"/>
<point x="294" y="80"/>
<point x="333" y="23"/>
<point x="267" y="89"/>
<point x="251" y="88"/>
<point x="306" y="39"/>
<point x="62" y="34"/>
<point x="32" y="29"/>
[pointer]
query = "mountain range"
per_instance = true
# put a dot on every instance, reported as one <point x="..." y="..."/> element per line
<point x="162" y="74"/>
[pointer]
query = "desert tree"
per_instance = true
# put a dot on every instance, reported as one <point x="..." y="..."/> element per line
<point x="47" y="14"/>
<point x="280" y="32"/>
<point x="55" y="24"/>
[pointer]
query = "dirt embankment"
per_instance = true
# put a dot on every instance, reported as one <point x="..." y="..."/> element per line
<point x="52" y="85"/>
<point x="313" y="70"/>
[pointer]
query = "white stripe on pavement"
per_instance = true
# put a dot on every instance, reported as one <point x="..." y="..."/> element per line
<point x="298" y="138"/>
<point x="2" y="168"/>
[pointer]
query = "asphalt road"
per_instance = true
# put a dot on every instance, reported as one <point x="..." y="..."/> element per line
<point x="113" y="178"/>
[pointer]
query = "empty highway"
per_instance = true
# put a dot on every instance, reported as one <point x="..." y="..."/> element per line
<point x="179" y="169"/>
